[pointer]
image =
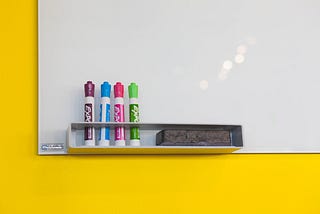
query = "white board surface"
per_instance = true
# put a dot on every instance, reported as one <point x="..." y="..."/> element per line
<point x="250" y="63"/>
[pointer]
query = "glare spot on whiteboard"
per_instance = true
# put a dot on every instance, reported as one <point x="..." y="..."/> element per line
<point x="223" y="75"/>
<point x="239" y="58"/>
<point x="204" y="85"/>
<point x="227" y="65"/>
<point x="242" y="49"/>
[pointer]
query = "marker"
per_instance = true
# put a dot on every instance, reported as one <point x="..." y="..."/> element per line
<point x="104" y="135"/>
<point x="89" y="113"/>
<point x="119" y="114"/>
<point x="134" y="114"/>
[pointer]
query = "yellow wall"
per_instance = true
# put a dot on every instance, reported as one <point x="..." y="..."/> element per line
<point x="127" y="184"/>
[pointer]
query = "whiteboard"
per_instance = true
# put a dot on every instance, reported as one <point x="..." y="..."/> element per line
<point x="250" y="63"/>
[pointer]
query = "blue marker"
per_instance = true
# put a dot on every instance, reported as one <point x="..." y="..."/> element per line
<point x="104" y="136"/>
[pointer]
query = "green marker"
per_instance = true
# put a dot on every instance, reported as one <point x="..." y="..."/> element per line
<point x="134" y="114"/>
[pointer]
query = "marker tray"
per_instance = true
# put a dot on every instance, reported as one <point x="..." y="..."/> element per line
<point x="148" y="132"/>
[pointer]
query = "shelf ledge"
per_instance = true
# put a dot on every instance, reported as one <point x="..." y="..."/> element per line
<point x="235" y="136"/>
<point x="152" y="150"/>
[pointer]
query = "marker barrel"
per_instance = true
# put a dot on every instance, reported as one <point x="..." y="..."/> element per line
<point x="134" y="117"/>
<point x="104" y="135"/>
<point x="89" y="134"/>
<point x="119" y="114"/>
<point x="134" y="114"/>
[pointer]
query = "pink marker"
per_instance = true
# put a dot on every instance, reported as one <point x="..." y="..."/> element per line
<point x="119" y="113"/>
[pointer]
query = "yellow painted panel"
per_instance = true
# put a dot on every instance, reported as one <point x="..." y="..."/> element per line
<point x="127" y="184"/>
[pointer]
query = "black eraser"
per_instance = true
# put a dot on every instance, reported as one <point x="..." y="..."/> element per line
<point x="194" y="138"/>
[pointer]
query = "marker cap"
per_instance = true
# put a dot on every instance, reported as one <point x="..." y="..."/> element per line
<point x="118" y="89"/>
<point x="105" y="89"/>
<point x="89" y="89"/>
<point x="133" y="90"/>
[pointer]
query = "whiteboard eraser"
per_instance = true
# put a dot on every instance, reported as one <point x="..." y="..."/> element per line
<point x="178" y="137"/>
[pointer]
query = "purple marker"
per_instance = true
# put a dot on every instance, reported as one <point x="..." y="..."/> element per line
<point x="119" y="134"/>
<point x="89" y="113"/>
